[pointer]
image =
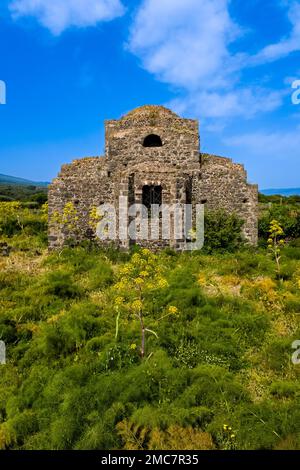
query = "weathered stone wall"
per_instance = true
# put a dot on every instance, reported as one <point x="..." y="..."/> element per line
<point x="223" y="185"/>
<point x="184" y="174"/>
<point x="86" y="184"/>
<point x="124" y="139"/>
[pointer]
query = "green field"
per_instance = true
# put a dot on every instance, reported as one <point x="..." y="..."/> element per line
<point x="217" y="370"/>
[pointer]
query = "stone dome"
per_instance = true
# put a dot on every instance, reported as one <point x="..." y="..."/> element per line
<point x="148" y="112"/>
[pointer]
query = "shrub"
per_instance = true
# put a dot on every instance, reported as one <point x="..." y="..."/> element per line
<point x="263" y="426"/>
<point x="221" y="354"/>
<point x="285" y="389"/>
<point x="100" y="276"/>
<point x="222" y="231"/>
<point x="60" y="284"/>
<point x="288" y="217"/>
<point x="173" y="438"/>
<point x="277" y="354"/>
<point x="14" y="219"/>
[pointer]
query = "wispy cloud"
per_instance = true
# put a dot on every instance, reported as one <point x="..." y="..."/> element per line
<point x="245" y="102"/>
<point x="188" y="45"/>
<point x="58" y="15"/>
<point x="286" y="45"/>
<point x="276" y="145"/>
<point x="184" y="43"/>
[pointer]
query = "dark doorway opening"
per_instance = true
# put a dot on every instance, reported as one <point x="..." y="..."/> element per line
<point x="152" y="140"/>
<point x="152" y="195"/>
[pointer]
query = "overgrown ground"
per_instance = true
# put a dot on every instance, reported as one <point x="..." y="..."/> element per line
<point x="217" y="373"/>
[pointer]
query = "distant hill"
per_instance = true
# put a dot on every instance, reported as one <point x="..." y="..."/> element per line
<point x="281" y="192"/>
<point x="20" y="189"/>
<point x="13" y="180"/>
<point x="5" y="179"/>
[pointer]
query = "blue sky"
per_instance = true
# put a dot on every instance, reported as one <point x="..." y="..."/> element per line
<point x="70" y="64"/>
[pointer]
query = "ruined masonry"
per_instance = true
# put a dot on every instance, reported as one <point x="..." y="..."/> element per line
<point x="151" y="156"/>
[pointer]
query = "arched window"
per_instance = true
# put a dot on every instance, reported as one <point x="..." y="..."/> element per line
<point x="152" y="195"/>
<point x="152" y="140"/>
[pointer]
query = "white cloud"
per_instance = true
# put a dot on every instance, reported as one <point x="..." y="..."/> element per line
<point x="58" y="15"/>
<point x="187" y="44"/>
<point x="240" y="102"/>
<point x="286" y="45"/>
<point x="276" y="145"/>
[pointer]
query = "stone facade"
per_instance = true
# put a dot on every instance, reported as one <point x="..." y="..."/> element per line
<point x="151" y="147"/>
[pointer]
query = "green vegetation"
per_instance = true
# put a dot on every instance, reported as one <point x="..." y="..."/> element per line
<point x="278" y="199"/>
<point x="112" y="350"/>
<point x="25" y="193"/>
<point x="285" y="210"/>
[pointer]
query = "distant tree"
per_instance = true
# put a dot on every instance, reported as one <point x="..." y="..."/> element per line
<point x="40" y="198"/>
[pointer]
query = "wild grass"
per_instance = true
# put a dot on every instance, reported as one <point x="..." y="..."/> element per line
<point x="217" y="375"/>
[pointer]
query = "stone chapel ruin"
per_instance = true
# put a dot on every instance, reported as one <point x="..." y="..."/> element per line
<point x="152" y="156"/>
